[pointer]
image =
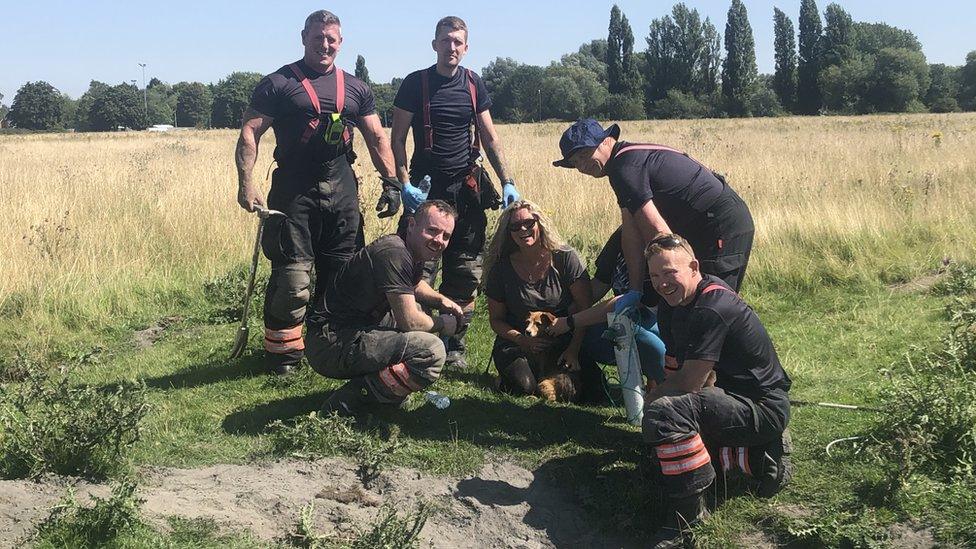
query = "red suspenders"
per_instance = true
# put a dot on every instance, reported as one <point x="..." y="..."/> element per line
<point x="429" y="129"/>
<point x="313" y="124"/>
<point x="713" y="287"/>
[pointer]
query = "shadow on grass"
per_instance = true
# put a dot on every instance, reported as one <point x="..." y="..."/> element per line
<point x="215" y="370"/>
<point x="493" y="422"/>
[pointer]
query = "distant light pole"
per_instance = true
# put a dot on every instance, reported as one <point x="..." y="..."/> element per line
<point x="540" y="105"/>
<point x="145" y="98"/>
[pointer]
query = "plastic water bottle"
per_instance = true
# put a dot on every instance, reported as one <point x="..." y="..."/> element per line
<point x="438" y="400"/>
<point x="424" y="185"/>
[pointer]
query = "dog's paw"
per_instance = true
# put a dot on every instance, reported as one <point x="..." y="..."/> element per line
<point x="547" y="390"/>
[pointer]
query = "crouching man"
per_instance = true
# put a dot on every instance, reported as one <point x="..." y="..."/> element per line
<point x="695" y="427"/>
<point x="370" y="328"/>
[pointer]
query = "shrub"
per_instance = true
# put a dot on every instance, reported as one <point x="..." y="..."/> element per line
<point x="49" y="426"/>
<point x="930" y="420"/>
<point x="226" y="293"/>
<point x="73" y="525"/>
<point x="388" y="531"/>
<point x="317" y="436"/>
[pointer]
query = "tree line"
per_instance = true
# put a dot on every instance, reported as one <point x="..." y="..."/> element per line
<point x="833" y="65"/>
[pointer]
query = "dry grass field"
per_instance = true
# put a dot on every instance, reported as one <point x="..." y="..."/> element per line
<point x="110" y="233"/>
<point x="93" y="218"/>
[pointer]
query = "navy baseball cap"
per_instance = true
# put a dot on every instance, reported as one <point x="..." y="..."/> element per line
<point x="583" y="134"/>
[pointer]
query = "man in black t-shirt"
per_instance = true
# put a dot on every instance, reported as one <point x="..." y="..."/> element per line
<point x="737" y="424"/>
<point x="369" y="329"/>
<point x="313" y="107"/>
<point x="662" y="190"/>
<point x="443" y="149"/>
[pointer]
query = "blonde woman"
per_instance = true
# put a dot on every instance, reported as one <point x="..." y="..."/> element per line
<point x="529" y="268"/>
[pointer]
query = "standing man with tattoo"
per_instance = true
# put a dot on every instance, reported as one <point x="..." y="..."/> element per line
<point x="313" y="107"/>
<point x="440" y="104"/>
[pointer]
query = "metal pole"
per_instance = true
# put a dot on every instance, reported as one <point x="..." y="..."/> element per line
<point x="540" y="105"/>
<point x="145" y="97"/>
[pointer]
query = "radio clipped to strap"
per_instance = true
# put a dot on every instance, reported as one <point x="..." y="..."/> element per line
<point x="336" y="132"/>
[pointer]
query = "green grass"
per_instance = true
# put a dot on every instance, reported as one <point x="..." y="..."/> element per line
<point x="835" y="343"/>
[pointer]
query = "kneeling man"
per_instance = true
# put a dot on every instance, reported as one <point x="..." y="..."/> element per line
<point x="370" y="328"/>
<point x="694" y="426"/>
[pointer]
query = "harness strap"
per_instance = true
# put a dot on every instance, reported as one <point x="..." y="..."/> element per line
<point x="429" y="129"/>
<point x="653" y="147"/>
<point x="713" y="287"/>
<point x="313" y="124"/>
<point x="476" y="142"/>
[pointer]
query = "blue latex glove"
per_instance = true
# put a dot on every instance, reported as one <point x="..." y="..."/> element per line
<point x="509" y="194"/>
<point x="412" y="197"/>
<point x="630" y="299"/>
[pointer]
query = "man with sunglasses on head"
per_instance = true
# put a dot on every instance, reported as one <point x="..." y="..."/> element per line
<point x="313" y="107"/>
<point x="440" y="104"/>
<point x="736" y="425"/>
<point x="663" y="190"/>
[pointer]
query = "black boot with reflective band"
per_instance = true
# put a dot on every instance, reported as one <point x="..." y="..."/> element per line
<point x="684" y="514"/>
<point x="777" y="469"/>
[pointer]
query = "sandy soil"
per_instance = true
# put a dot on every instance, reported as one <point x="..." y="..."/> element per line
<point x="504" y="506"/>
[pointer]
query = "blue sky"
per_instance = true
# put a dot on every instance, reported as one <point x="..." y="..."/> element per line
<point x="68" y="43"/>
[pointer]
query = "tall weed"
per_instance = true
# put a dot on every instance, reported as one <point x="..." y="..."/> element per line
<point x="71" y="524"/>
<point x="51" y="426"/>
<point x="317" y="436"/>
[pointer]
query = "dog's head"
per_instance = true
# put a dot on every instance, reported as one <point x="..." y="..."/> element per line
<point x="538" y="321"/>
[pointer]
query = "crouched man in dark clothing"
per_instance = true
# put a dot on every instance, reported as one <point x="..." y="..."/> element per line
<point x="369" y="328"/>
<point x="694" y="427"/>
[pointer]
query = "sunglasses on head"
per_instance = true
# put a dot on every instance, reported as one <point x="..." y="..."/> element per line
<point x="668" y="241"/>
<point x="525" y="225"/>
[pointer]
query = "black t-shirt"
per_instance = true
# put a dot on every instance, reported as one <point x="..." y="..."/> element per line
<point x="611" y="269"/>
<point x="718" y="326"/>
<point x="451" y="117"/>
<point x="356" y="298"/>
<point x="551" y="293"/>
<point x="682" y="188"/>
<point x="281" y="96"/>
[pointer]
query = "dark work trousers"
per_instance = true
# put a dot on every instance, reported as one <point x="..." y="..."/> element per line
<point x="724" y="246"/>
<point x="460" y="265"/>
<point x="323" y="227"/>
<point x="394" y="363"/>
<point x="692" y="431"/>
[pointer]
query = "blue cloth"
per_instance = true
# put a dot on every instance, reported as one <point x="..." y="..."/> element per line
<point x="510" y="194"/>
<point x="630" y="299"/>
<point x="412" y="197"/>
<point x="650" y="348"/>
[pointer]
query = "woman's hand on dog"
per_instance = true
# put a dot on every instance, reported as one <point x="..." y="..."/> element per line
<point x="531" y="344"/>
<point x="569" y="360"/>
<point x="559" y="327"/>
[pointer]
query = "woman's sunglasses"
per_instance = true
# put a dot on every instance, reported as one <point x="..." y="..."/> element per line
<point x="519" y="226"/>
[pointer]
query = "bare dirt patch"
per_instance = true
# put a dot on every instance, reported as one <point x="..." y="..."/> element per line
<point x="911" y="536"/>
<point x="504" y="506"/>
<point x="144" y="339"/>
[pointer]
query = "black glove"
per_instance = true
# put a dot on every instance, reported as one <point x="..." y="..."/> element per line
<point x="389" y="203"/>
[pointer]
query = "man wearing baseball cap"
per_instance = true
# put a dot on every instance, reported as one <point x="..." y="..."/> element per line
<point x="661" y="190"/>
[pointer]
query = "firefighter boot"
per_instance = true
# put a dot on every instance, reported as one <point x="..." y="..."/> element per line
<point x="684" y="514"/>
<point x="348" y="400"/>
<point x="777" y="469"/>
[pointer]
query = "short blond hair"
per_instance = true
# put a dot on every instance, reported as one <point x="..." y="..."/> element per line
<point x="662" y="242"/>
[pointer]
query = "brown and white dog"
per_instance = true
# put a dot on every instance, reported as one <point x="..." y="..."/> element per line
<point x="556" y="382"/>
